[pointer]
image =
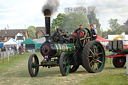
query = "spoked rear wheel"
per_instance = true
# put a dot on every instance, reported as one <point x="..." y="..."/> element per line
<point x="93" y="57"/>
<point x="64" y="64"/>
<point x="33" y="65"/>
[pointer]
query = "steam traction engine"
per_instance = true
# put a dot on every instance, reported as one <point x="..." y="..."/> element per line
<point x="68" y="51"/>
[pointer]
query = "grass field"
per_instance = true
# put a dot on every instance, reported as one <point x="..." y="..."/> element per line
<point x="15" y="72"/>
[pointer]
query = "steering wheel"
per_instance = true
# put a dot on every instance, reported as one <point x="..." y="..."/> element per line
<point x="84" y="36"/>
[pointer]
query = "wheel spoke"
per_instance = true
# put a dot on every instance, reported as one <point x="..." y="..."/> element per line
<point x="82" y="38"/>
<point x="84" y="42"/>
<point x="91" y="51"/>
<point x="99" y="61"/>
<point x="99" y="53"/>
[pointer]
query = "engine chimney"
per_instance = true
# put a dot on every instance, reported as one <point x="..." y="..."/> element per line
<point x="47" y="14"/>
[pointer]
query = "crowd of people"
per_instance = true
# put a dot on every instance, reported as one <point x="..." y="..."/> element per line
<point x="19" y="50"/>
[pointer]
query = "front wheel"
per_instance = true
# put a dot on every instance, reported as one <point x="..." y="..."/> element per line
<point x="33" y="65"/>
<point x="64" y="64"/>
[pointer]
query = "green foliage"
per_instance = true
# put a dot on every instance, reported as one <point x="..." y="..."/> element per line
<point x="58" y="22"/>
<point x="31" y="31"/>
<point x="115" y="27"/>
<point x="118" y="30"/>
<point x="113" y="24"/>
<point x="71" y="20"/>
<point x="74" y="20"/>
<point x="76" y="16"/>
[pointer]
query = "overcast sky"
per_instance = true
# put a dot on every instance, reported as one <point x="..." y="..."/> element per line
<point x="19" y="14"/>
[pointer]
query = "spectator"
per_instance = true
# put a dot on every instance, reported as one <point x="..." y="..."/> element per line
<point x="93" y="32"/>
<point x="15" y="50"/>
<point x="20" y="50"/>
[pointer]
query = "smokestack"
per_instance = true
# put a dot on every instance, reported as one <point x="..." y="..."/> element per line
<point x="48" y="9"/>
<point x="47" y="14"/>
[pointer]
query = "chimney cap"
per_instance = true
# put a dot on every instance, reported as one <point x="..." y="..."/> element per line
<point x="47" y="12"/>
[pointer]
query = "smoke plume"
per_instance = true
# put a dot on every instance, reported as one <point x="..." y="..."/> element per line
<point x="52" y="5"/>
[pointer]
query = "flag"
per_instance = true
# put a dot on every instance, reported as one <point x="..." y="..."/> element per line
<point x="7" y="25"/>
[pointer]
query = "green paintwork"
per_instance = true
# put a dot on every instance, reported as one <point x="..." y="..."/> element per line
<point x="102" y="58"/>
<point x="68" y="48"/>
<point x="117" y="46"/>
<point x="67" y="65"/>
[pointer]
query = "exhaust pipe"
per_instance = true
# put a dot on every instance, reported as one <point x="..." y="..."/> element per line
<point x="47" y="14"/>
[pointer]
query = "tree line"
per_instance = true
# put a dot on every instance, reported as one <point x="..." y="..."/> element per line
<point x="75" y="16"/>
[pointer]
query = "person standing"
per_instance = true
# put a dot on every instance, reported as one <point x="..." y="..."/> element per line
<point x="93" y="32"/>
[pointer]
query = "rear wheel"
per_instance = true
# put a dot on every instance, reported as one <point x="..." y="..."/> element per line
<point x="64" y="64"/>
<point x="93" y="57"/>
<point x="119" y="62"/>
<point x="33" y="65"/>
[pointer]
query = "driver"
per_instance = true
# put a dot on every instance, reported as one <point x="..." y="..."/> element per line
<point x="77" y="30"/>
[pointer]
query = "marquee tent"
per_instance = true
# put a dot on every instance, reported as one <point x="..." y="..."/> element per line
<point x="12" y="42"/>
<point x="30" y="44"/>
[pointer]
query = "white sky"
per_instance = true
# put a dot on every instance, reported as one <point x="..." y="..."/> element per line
<point x="19" y="14"/>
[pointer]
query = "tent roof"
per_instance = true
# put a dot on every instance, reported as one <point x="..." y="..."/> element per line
<point x="101" y="39"/>
<point x="41" y="40"/>
<point x="12" y="42"/>
<point x="29" y="41"/>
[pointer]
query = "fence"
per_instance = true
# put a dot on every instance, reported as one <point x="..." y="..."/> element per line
<point x="7" y="54"/>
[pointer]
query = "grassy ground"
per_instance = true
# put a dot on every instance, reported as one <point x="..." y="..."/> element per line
<point x="15" y="72"/>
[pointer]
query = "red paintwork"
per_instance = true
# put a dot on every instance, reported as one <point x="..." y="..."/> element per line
<point x="121" y="55"/>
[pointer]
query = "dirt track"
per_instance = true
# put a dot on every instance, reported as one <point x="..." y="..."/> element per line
<point x="18" y="75"/>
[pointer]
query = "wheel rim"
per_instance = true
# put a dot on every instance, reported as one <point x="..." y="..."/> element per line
<point x="86" y="36"/>
<point x="66" y="65"/>
<point x="96" y="57"/>
<point x="34" y="66"/>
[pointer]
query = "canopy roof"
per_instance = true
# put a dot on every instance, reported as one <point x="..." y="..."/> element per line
<point x="12" y="42"/>
<point x="101" y="39"/>
<point x="29" y="41"/>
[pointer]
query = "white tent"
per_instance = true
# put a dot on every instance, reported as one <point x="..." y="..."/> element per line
<point x="12" y="42"/>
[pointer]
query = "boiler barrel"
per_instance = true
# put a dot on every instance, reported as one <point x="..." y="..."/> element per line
<point x="55" y="49"/>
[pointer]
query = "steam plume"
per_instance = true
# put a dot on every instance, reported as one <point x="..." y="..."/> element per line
<point x="52" y="5"/>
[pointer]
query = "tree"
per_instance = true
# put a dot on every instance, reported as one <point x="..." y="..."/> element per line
<point x="125" y="26"/>
<point x="71" y="20"/>
<point x="113" y="24"/>
<point x="74" y="20"/>
<point x="31" y="31"/>
<point x="75" y="16"/>
<point x="58" y="22"/>
<point x="92" y="19"/>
